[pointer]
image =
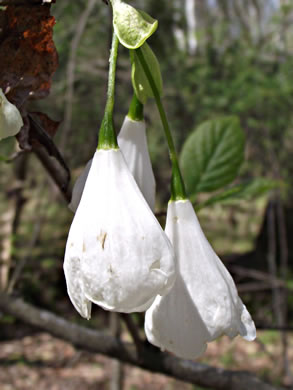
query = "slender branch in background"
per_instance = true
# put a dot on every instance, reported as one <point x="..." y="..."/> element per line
<point x="256" y="274"/>
<point x="191" y="24"/>
<point x="283" y="245"/>
<point x="5" y="245"/>
<point x="152" y="359"/>
<point x="205" y="20"/>
<point x="274" y="327"/>
<point x="272" y="261"/>
<point x="225" y="8"/>
<point x="254" y="287"/>
<point x="11" y="224"/>
<point x="257" y="7"/>
<point x="241" y="15"/>
<point x="51" y="158"/>
<point x="117" y="367"/>
<point x="20" y="170"/>
<point x="134" y="331"/>
<point x="70" y="71"/>
<point x="40" y="135"/>
<point x="59" y="176"/>
<point x="279" y="296"/>
<point x="281" y="236"/>
<point x="22" y="262"/>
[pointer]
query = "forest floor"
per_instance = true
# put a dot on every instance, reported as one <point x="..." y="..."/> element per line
<point x="42" y="362"/>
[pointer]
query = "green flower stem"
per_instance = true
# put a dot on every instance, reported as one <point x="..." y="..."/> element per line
<point x="107" y="135"/>
<point x="177" y="184"/>
<point x="136" y="109"/>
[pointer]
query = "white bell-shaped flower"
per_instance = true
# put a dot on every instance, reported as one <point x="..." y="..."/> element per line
<point x="117" y="254"/>
<point x="133" y="144"/>
<point x="203" y="303"/>
<point x="10" y="118"/>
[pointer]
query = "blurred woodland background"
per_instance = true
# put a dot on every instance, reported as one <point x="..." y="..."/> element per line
<point x="218" y="57"/>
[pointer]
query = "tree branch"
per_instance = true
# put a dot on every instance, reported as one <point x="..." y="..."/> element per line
<point x="59" y="176"/>
<point x="133" y="330"/>
<point x="151" y="359"/>
<point x="70" y="71"/>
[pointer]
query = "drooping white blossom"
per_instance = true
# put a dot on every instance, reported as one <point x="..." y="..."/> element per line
<point x="133" y="144"/>
<point x="117" y="254"/>
<point x="10" y="118"/>
<point x="203" y="303"/>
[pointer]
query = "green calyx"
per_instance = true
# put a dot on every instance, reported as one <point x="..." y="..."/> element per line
<point x="139" y="79"/>
<point x="132" y="26"/>
<point x="135" y="110"/>
<point x="107" y="134"/>
<point x="177" y="185"/>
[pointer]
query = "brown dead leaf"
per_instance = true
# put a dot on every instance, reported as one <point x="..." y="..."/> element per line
<point x="28" y="60"/>
<point x="28" y="57"/>
<point x="46" y="123"/>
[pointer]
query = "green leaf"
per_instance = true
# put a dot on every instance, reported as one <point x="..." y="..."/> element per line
<point x="245" y="191"/>
<point x="258" y="187"/>
<point x="212" y="155"/>
<point x="132" y="26"/>
<point x="140" y="82"/>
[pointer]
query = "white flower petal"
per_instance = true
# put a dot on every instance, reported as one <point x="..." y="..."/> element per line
<point x="204" y="303"/>
<point x="172" y="323"/>
<point x="133" y="144"/>
<point x="72" y="270"/>
<point x="10" y="118"/>
<point x="126" y="257"/>
<point x="78" y="187"/>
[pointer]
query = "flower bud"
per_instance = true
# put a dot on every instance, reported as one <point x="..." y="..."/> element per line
<point x="10" y="118"/>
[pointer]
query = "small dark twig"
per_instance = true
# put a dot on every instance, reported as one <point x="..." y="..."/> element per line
<point x="117" y="376"/>
<point x="55" y="166"/>
<point x="133" y="330"/>
<point x="286" y="328"/>
<point x="254" y="287"/>
<point x="20" y="266"/>
<point x="58" y="175"/>
<point x="43" y="137"/>
<point x="14" y="156"/>
<point x="256" y="274"/>
<point x="282" y="237"/>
